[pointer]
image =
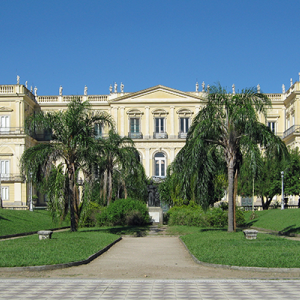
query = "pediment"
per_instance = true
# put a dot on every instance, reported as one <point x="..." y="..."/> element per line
<point x="156" y="94"/>
<point x="5" y="109"/>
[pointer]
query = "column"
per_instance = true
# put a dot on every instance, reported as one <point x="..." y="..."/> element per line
<point x="172" y="154"/>
<point x="122" y="125"/>
<point x="197" y="109"/>
<point x="115" y="110"/>
<point x="18" y="115"/>
<point x="147" y="162"/>
<point x="147" y="133"/>
<point x="172" y="133"/>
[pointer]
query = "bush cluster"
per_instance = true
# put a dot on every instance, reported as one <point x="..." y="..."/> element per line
<point x="193" y="215"/>
<point x="124" y="212"/>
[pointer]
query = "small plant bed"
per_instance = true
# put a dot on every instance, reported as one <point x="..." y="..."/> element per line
<point x="286" y="221"/>
<point x="20" y="221"/>
<point x="221" y="247"/>
<point x="63" y="247"/>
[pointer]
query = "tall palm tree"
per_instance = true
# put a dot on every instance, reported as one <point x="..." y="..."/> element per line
<point x="231" y="123"/>
<point x="72" y="140"/>
<point x="118" y="154"/>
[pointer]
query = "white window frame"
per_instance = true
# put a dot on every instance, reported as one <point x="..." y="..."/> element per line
<point x="4" y="168"/>
<point x="98" y="127"/>
<point x="186" y="126"/>
<point x="4" y="123"/>
<point x="272" y="126"/>
<point x="162" y="123"/>
<point x="162" y="161"/>
<point x="138" y="119"/>
<point x="5" y="193"/>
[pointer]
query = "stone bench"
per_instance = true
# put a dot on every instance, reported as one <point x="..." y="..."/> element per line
<point x="45" y="234"/>
<point x="250" y="234"/>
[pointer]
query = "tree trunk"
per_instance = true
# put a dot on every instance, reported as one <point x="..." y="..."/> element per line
<point x="104" y="186"/>
<point x="72" y="198"/>
<point x="235" y="187"/>
<point x="230" y="199"/>
<point x="125" y="189"/>
<point x="109" y="196"/>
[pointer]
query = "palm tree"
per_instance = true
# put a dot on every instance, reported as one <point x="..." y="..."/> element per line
<point x="118" y="155"/>
<point x="72" y="143"/>
<point x="231" y="123"/>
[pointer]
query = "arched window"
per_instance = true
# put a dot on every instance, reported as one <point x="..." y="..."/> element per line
<point x="160" y="164"/>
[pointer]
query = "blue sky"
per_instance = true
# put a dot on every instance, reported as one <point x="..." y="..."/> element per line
<point x="145" y="43"/>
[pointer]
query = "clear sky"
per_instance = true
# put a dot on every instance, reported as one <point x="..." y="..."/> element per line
<point x="143" y="43"/>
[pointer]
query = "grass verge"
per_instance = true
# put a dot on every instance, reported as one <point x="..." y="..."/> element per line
<point x="221" y="247"/>
<point x="287" y="221"/>
<point x="63" y="247"/>
<point x="20" y="221"/>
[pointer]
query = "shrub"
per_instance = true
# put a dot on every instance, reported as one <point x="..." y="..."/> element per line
<point x="124" y="212"/>
<point x="216" y="217"/>
<point x="193" y="215"/>
<point x="240" y="218"/>
<point x="187" y="215"/>
<point x="88" y="216"/>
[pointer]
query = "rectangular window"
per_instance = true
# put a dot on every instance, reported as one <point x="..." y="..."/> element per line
<point x="4" y="169"/>
<point x="159" y="125"/>
<point x="98" y="130"/>
<point x="184" y="125"/>
<point x="4" y="123"/>
<point x="134" y="125"/>
<point x="4" y="193"/>
<point x="272" y="126"/>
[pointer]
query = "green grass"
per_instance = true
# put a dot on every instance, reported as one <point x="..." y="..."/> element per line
<point x="63" y="247"/>
<point x="287" y="220"/>
<point x="221" y="247"/>
<point x="20" y="221"/>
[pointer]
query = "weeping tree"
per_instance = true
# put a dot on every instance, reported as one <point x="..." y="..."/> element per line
<point x="231" y="122"/>
<point x="118" y="161"/>
<point x="72" y="144"/>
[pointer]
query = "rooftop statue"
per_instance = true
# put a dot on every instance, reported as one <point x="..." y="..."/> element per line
<point x="18" y="79"/>
<point x="233" y="89"/>
<point x="203" y="86"/>
<point x="116" y="88"/>
<point x="283" y="89"/>
<point x="197" y="87"/>
<point x="258" y="88"/>
<point x="60" y="90"/>
<point x="85" y="90"/>
<point x="122" y="87"/>
<point x="110" y="89"/>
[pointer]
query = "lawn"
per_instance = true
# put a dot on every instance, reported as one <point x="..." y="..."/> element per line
<point x="286" y="221"/>
<point x="222" y="247"/>
<point x="63" y="247"/>
<point x="20" y="221"/>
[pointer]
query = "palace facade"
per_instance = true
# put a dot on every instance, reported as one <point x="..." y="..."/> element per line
<point x="157" y="119"/>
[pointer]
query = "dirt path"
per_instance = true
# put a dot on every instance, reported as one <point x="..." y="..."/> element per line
<point x="153" y="257"/>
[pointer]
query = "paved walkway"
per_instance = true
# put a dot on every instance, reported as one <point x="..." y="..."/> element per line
<point x="152" y="267"/>
<point x="148" y="289"/>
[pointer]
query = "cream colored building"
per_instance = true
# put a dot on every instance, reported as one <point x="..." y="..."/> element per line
<point x="157" y="119"/>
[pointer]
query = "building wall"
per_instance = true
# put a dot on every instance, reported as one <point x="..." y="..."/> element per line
<point x="169" y="105"/>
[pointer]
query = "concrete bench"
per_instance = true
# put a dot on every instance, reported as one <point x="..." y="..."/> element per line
<point x="45" y="234"/>
<point x="250" y="234"/>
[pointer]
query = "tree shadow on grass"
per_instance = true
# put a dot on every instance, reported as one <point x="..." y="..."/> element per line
<point x="137" y="231"/>
<point x="291" y="230"/>
<point x="213" y="229"/>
